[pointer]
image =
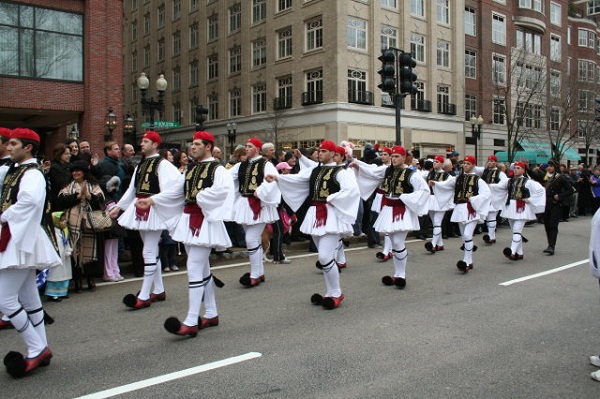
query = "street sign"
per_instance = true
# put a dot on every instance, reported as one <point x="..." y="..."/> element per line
<point x="161" y="125"/>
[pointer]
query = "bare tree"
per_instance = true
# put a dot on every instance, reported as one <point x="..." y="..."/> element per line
<point x="276" y="120"/>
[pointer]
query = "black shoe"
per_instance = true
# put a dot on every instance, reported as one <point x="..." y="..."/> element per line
<point x="549" y="251"/>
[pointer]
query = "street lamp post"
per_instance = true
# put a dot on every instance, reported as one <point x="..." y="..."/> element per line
<point x="129" y="128"/>
<point x="151" y="105"/>
<point x="476" y="132"/>
<point x="231" y="132"/>
<point x="74" y="133"/>
<point x="111" y="124"/>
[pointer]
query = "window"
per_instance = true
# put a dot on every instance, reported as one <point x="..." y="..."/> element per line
<point x="134" y="30"/>
<point x="555" y="84"/>
<point x="583" y="105"/>
<point x="160" y="20"/>
<point x="470" y="21"/>
<point x="533" y="77"/>
<point x="499" y="69"/>
<point x="235" y="59"/>
<point x="529" y="41"/>
<point x="314" y="86"/>
<point x="443" y="11"/>
<point x="259" y="98"/>
<point x="213" y="107"/>
<point x="194" y="73"/>
<point x="314" y="34"/>
<point x="213" y="66"/>
<point x="235" y="102"/>
<point x="470" y="64"/>
<point x="284" y="92"/>
<point x="134" y="4"/>
<point x="177" y="112"/>
<point x="498" y="29"/>
<point x="555" y="13"/>
<point x="176" y="79"/>
<point x="470" y="107"/>
<point x="176" y="9"/>
<point x="357" y="33"/>
<point x="259" y="10"/>
<point x="555" y="50"/>
<point x="284" y="48"/>
<point x="420" y="96"/>
<point x="389" y="3"/>
<point x="176" y="43"/>
<point x="194" y="35"/>
<point x="134" y="61"/>
<point x="213" y="27"/>
<point x="535" y="5"/>
<point x="388" y="37"/>
<point x="259" y="52"/>
<point x="193" y="103"/>
<point x="161" y="50"/>
<point x="193" y="5"/>
<point x="417" y="47"/>
<point x="147" y="55"/>
<point x="443" y="98"/>
<point x="586" y="38"/>
<point x="555" y="118"/>
<point x="357" y="86"/>
<point x="235" y="17"/>
<point x="593" y="7"/>
<point x="283" y="5"/>
<point x="443" y="53"/>
<point x="586" y="71"/>
<point x="499" y="105"/>
<point x="537" y="116"/>
<point x="417" y="8"/>
<point x="147" y="24"/>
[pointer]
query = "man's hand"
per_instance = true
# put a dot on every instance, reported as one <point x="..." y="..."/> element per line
<point x="114" y="213"/>
<point x="271" y="178"/>
<point x="144" y="203"/>
<point x="431" y="183"/>
<point x="298" y="153"/>
<point x="95" y="160"/>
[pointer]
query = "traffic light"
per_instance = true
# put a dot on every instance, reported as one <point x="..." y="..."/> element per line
<point x="387" y="71"/>
<point x="201" y="113"/>
<point x="597" y="109"/>
<point x="407" y="76"/>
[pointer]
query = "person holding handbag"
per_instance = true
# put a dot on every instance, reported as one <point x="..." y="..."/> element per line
<point x="77" y="199"/>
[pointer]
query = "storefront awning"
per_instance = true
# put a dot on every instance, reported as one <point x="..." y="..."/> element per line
<point x="543" y="149"/>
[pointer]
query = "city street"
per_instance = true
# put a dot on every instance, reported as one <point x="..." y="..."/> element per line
<point x="447" y="335"/>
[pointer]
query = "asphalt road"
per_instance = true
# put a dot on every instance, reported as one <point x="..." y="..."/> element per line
<point x="447" y="335"/>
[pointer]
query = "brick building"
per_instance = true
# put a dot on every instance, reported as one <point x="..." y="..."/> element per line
<point x="61" y="67"/>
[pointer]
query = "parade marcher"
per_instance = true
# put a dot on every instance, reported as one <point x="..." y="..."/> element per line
<point x="4" y="137"/>
<point x="26" y="244"/>
<point x="471" y="197"/>
<point x="255" y="205"/>
<point x="437" y="212"/>
<point x="405" y="198"/>
<point x="558" y="191"/>
<point x="526" y="198"/>
<point x="208" y="196"/>
<point x="493" y="177"/>
<point x="153" y="177"/>
<point x="335" y="196"/>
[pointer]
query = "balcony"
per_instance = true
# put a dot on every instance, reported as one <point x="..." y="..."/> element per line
<point x="312" y="97"/>
<point x="282" y="103"/>
<point x="420" y="105"/>
<point x="360" y="97"/>
<point x="447" y="108"/>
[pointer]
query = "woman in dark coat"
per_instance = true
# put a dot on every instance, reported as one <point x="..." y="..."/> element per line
<point x="59" y="174"/>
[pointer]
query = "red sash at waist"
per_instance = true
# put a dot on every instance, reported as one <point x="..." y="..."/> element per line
<point x="4" y="237"/>
<point x="196" y="217"/>
<point x="141" y="214"/>
<point x="398" y="207"/>
<point x="520" y="206"/>
<point x="255" y="205"/>
<point x="321" y="213"/>
<point x="470" y="208"/>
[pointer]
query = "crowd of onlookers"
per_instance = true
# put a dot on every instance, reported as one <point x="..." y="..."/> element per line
<point x="80" y="180"/>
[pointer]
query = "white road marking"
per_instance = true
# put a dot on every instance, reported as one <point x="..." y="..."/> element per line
<point x="170" y="377"/>
<point x="545" y="273"/>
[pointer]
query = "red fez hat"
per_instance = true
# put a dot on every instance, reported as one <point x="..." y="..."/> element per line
<point x="151" y="135"/>
<point x="340" y="150"/>
<point x="256" y="142"/>
<point x="471" y="159"/>
<point x="388" y="150"/>
<point x="204" y="136"/>
<point x="520" y="164"/>
<point x="5" y="132"/>
<point x="24" y="133"/>
<point x="439" y="158"/>
<point x="398" y="149"/>
<point x="493" y="158"/>
<point x="328" y="145"/>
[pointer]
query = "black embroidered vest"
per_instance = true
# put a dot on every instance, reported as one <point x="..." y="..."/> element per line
<point x="5" y="161"/>
<point x="439" y="175"/>
<point x="517" y="189"/>
<point x="466" y="187"/>
<point x="251" y="175"/>
<point x="146" y="177"/>
<point x="323" y="182"/>
<point x="397" y="181"/>
<point x="491" y="176"/>
<point x="201" y="176"/>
